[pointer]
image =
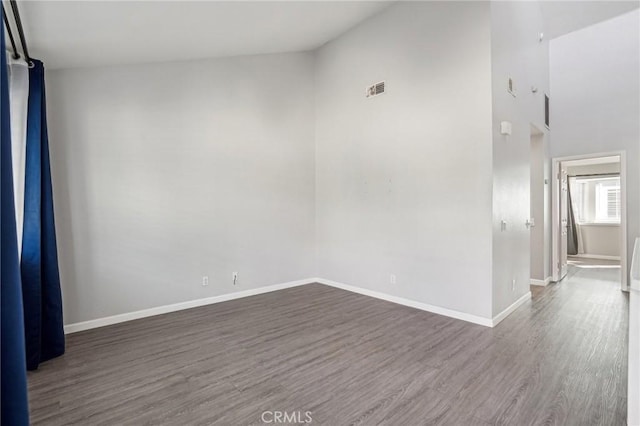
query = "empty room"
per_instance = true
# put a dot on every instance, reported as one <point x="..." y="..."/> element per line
<point x="320" y="212"/>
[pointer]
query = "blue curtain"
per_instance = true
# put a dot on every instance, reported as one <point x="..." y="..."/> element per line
<point x="42" y="299"/>
<point x="15" y="410"/>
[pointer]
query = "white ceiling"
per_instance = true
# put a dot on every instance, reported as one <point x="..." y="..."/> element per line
<point x="93" y="33"/>
<point x="563" y="17"/>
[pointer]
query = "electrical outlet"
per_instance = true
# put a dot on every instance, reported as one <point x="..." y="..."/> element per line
<point x="235" y="278"/>
<point x="392" y="279"/>
<point x="513" y="285"/>
<point x="205" y="281"/>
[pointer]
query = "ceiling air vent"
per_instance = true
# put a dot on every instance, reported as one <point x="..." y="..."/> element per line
<point x="376" y="89"/>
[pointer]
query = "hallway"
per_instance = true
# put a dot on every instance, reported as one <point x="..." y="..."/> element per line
<point x="588" y="315"/>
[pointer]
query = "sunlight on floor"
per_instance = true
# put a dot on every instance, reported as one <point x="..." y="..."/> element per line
<point x="588" y="263"/>
<point x="581" y="266"/>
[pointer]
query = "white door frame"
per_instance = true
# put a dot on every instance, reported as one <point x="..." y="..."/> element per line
<point x="555" y="212"/>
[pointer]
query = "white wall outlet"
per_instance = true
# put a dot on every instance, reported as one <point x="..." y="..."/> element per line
<point x="235" y="278"/>
<point x="392" y="279"/>
<point x="205" y="281"/>
<point x="513" y="285"/>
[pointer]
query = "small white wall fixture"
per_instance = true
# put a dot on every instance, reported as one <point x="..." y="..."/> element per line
<point x="505" y="128"/>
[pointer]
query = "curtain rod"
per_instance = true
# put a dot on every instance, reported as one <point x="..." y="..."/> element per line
<point x="15" y="55"/>
<point x="597" y="174"/>
<point x="23" y="41"/>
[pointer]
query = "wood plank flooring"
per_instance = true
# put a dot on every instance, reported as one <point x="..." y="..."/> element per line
<point x="350" y="360"/>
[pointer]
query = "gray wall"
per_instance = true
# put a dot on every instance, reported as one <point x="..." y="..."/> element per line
<point x="516" y="52"/>
<point x="165" y="173"/>
<point x="404" y="179"/>
<point x="278" y="166"/>
<point x="601" y="239"/>
<point x="595" y="99"/>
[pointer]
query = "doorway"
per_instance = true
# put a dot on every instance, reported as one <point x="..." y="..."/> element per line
<point x="589" y="214"/>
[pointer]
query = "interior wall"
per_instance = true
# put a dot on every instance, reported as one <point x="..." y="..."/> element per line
<point x="517" y="53"/>
<point x="595" y="99"/>
<point x="538" y="204"/>
<point x="601" y="239"/>
<point x="404" y="179"/>
<point x="169" y="172"/>
<point x="168" y="162"/>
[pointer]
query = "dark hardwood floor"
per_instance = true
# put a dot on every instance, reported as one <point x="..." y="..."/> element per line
<point x="350" y="359"/>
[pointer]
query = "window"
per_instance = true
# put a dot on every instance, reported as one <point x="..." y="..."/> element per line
<point x="596" y="199"/>
<point x="608" y="201"/>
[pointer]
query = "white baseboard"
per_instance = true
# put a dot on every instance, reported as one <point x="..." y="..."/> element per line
<point x="487" y="322"/>
<point x="595" y="256"/>
<point x="159" y="310"/>
<point x="544" y="282"/>
<point x="115" y="319"/>
<point x="515" y="305"/>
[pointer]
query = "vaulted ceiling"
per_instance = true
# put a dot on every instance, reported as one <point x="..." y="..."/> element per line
<point x="563" y="17"/>
<point x="93" y="33"/>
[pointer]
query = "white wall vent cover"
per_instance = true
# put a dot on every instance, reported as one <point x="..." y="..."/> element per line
<point x="376" y="89"/>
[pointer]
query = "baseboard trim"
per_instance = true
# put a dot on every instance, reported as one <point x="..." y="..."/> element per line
<point x="596" y="256"/>
<point x="544" y="282"/>
<point x="515" y="305"/>
<point x="165" y="309"/>
<point x="487" y="322"/>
